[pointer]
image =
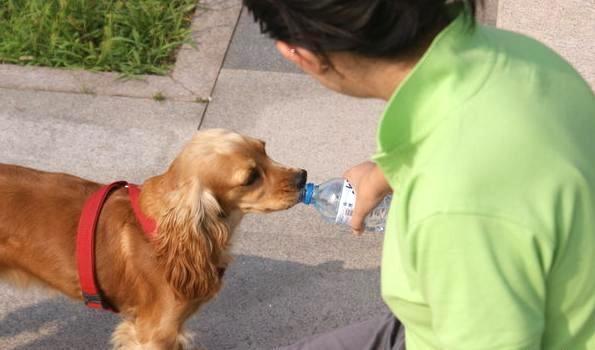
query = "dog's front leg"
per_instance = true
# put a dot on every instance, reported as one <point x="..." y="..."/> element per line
<point x="158" y="328"/>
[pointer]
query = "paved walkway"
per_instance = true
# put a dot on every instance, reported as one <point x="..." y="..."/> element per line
<point x="293" y="275"/>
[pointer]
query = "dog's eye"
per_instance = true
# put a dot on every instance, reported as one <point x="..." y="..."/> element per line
<point x="252" y="178"/>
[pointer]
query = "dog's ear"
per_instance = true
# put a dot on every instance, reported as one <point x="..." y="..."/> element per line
<point x="191" y="240"/>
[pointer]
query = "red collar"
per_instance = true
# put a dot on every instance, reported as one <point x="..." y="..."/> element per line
<point x="85" y="242"/>
<point x="149" y="226"/>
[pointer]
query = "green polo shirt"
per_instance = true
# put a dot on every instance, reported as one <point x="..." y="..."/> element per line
<point x="489" y="145"/>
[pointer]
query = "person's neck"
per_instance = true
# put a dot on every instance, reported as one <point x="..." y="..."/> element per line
<point x="383" y="77"/>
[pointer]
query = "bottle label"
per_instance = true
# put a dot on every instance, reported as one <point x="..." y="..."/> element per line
<point x="346" y="204"/>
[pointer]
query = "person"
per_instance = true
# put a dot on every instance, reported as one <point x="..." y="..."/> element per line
<point x="487" y="141"/>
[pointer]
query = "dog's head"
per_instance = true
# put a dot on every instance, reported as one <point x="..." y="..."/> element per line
<point x="237" y="172"/>
<point x="219" y="174"/>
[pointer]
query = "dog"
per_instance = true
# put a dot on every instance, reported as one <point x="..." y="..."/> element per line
<point x="155" y="284"/>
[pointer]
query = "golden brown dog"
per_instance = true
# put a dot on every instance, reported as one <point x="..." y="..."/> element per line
<point x="156" y="285"/>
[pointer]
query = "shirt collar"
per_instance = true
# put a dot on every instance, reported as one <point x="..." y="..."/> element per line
<point x="439" y="83"/>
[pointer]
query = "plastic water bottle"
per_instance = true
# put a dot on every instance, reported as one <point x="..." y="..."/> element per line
<point x="335" y="200"/>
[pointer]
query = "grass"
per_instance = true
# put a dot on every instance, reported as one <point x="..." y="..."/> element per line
<point x="127" y="36"/>
<point x="159" y="97"/>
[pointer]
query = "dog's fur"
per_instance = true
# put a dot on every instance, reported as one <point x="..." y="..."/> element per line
<point x="156" y="285"/>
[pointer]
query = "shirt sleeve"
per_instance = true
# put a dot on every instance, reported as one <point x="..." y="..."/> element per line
<point x="483" y="279"/>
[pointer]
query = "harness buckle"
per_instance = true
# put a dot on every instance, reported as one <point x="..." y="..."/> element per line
<point x="93" y="299"/>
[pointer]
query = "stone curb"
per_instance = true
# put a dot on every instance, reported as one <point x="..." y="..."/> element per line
<point x="191" y="80"/>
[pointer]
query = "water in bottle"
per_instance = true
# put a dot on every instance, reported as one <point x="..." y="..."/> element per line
<point x="335" y="200"/>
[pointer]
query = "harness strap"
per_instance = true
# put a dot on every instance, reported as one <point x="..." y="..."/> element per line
<point x="85" y="240"/>
<point x="85" y="245"/>
<point x="149" y="226"/>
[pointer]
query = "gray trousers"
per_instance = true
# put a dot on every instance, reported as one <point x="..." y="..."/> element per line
<point x="382" y="333"/>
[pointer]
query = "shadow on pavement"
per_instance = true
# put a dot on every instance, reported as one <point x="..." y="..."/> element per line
<point x="267" y="303"/>
<point x="264" y="303"/>
<point x="56" y="324"/>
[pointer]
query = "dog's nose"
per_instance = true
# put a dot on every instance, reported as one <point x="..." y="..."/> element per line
<point x="300" y="179"/>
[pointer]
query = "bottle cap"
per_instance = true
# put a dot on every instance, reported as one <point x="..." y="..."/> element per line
<point x="308" y="192"/>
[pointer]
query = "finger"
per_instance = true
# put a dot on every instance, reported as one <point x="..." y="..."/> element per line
<point x="357" y="221"/>
<point x="357" y="230"/>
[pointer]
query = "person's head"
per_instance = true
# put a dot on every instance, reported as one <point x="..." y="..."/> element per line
<point x="330" y="38"/>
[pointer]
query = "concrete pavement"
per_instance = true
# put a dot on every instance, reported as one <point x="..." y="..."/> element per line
<point x="567" y="26"/>
<point x="293" y="275"/>
<point x="307" y="276"/>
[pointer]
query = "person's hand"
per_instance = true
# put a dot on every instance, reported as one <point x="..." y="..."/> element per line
<point x="370" y="188"/>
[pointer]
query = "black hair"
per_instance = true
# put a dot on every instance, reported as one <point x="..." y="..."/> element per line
<point x="371" y="28"/>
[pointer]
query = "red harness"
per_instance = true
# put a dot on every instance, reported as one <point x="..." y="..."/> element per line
<point x="85" y="242"/>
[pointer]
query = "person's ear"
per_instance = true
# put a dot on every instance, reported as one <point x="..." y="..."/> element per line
<point x="305" y="59"/>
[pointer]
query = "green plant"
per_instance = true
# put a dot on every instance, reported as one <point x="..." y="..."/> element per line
<point x="159" y="97"/>
<point x="127" y="36"/>
<point x="87" y="90"/>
